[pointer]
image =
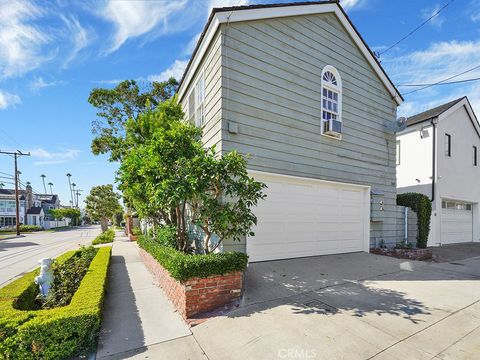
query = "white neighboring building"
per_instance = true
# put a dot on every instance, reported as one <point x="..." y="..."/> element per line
<point x="438" y="155"/>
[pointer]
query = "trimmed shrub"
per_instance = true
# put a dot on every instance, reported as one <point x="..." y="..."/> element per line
<point x="58" y="333"/>
<point x="182" y="266"/>
<point x="68" y="277"/>
<point x="422" y="206"/>
<point x="23" y="228"/>
<point x="105" y="237"/>
<point x="166" y="236"/>
<point x="137" y="231"/>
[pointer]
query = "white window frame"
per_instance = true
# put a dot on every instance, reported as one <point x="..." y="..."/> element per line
<point x="200" y="101"/>
<point x="336" y="89"/>
<point x="397" y="151"/>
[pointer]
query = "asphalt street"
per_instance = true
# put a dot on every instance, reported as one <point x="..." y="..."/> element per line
<point x="21" y="255"/>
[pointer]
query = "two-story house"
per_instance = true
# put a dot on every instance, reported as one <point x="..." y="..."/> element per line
<point x="8" y="208"/>
<point x="296" y="89"/>
<point x="438" y="155"/>
<point x="34" y="208"/>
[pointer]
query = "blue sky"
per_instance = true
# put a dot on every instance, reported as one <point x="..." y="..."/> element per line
<point x="52" y="53"/>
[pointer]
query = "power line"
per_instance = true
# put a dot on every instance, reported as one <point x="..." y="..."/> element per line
<point x="441" y="82"/>
<point x="435" y="14"/>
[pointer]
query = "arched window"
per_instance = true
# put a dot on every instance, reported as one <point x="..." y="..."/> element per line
<point x="331" y="109"/>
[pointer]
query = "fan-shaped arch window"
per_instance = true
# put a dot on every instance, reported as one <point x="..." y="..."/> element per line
<point x="331" y="106"/>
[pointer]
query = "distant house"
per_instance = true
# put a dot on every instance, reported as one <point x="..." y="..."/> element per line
<point x="438" y="155"/>
<point x="34" y="208"/>
<point x="296" y="88"/>
<point x="36" y="216"/>
<point x="8" y="207"/>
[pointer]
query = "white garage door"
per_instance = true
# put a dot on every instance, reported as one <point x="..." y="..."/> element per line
<point x="304" y="217"/>
<point x="457" y="222"/>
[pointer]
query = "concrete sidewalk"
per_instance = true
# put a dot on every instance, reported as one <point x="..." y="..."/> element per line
<point x="138" y="319"/>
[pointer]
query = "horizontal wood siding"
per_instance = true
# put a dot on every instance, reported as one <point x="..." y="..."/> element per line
<point x="271" y="87"/>
<point x="212" y="68"/>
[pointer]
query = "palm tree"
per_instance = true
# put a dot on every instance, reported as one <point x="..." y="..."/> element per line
<point x="70" y="186"/>
<point x="50" y="184"/>
<point x="2" y="185"/>
<point x="73" y="191"/>
<point x="43" y="179"/>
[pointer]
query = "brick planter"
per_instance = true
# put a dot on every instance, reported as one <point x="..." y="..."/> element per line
<point x="411" y="254"/>
<point x="133" y="237"/>
<point x="195" y="295"/>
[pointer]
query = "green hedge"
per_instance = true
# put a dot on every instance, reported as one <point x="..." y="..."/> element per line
<point x="105" y="237"/>
<point x="183" y="266"/>
<point x="422" y="206"/>
<point x="58" y="333"/>
<point x="23" y="228"/>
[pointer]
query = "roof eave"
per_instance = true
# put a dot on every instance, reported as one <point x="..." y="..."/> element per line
<point x="214" y="22"/>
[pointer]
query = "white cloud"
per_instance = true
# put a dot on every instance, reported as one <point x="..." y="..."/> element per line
<point x="39" y="83"/>
<point x="21" y="41"/>
<point x="350" y="4"/>
<point x="50" y="158"/>
<point x="439" y="61"/>
<point x="436" y="21"/>
<point x="80" y="37"/>
<point x="175" y="70"/>
<point x="135" y="18"/>
<point x="474" y="10"/>
<point x="8" y="100"/>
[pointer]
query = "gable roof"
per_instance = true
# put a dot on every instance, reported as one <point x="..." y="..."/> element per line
<point x="265" y="11"/>
<point x="432" y="113"/>
<point x="11" y="193"/>
<point x="36" y="210"/>
<point x="444" y="111"/>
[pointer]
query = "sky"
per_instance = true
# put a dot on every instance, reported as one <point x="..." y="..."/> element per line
<point x="53" y="53"/>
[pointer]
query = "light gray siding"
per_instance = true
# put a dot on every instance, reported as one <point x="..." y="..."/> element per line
<point x="211" y="66"/>
<point x="271" y="88"/>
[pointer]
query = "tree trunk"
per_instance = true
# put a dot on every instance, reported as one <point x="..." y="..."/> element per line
<point x="104" y="224"/>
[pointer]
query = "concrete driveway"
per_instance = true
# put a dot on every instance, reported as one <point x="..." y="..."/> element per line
<point x="353" y="306"/>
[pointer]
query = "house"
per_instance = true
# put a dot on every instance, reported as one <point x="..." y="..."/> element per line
<point x="34" y="208"/>
<point x="36" y="216"/>
<point x="8" y="208"/>
<point x="296" y="88"/>
<point x="437" y="155"/>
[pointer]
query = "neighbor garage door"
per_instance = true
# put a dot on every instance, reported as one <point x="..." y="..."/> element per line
<point x="304" y="217"/>
<point x="457" y="222"/>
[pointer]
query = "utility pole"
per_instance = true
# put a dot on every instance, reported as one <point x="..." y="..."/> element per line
<point x="16" y="155"/>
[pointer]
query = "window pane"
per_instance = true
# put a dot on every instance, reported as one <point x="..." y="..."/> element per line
<point x="325" y="92"/>
<point x="335" y="96"/>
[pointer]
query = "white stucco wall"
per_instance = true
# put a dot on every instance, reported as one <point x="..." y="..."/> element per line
<point x="415" y="161"/>
<point x="457" y="177"/>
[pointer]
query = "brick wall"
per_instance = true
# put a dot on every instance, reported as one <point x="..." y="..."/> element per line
<point x="195" y="295"/>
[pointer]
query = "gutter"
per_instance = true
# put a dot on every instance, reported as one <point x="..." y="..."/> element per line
<point x="433" y="159"/>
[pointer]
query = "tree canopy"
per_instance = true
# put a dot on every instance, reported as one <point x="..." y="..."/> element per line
<point x="102" y="204"/>
<point x="126" y="101"/>
<point x="171" y="178"/>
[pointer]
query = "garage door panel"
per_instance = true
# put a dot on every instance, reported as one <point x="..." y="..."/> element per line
<point x="304" y="217"/>
<point x="456" y="226"/>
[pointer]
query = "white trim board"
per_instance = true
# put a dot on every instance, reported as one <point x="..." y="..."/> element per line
<point x="275" y="12"/>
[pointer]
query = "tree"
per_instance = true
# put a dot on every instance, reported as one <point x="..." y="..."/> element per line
<point x="170" y="178"/>
<point x="102" y="204"/>
<point x="126" y="101"/>
<point x="43" y="180"/>
<point x="72" y="214"/>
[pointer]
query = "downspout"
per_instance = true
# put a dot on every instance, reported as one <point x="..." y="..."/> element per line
<point x="433" y="160"/>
